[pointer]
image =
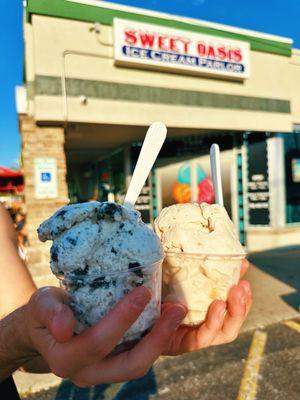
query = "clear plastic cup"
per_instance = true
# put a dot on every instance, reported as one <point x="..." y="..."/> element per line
<point x="93" y="296"/>
<point x="196" y="280"/>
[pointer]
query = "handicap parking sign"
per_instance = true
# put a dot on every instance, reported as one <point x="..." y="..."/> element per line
<point x="46" y="176"/>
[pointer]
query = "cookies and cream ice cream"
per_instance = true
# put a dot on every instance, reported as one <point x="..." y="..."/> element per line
<point x="203" y="256"/>
<point x="101" y="251"/>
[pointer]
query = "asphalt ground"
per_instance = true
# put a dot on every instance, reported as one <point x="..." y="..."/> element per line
<point x="261" y="364"/>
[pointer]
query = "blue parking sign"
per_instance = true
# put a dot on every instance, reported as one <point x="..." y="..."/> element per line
<point x="46" y="176"/>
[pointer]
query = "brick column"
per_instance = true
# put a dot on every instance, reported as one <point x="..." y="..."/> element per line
<point x="38" y="142"/>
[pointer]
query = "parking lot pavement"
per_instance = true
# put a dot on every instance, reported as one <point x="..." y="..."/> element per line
<point x="263" y="364"/>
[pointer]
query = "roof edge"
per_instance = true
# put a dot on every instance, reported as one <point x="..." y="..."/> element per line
<point x="192" y="21"/>
<point x="99" y="11"/>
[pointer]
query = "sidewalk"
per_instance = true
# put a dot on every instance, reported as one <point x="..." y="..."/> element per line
<point x="275" y="280"/>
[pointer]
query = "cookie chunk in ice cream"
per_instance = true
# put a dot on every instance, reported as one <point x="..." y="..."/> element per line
<point x="203" y="256"/>
<point x="101" y="251"/>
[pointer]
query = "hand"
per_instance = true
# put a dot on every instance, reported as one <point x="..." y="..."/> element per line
<point x="85" y="358"/>
<point x="222" y="323"/>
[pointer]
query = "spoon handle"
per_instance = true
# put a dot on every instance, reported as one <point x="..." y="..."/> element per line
<point x="215" y="166"/>
<point x="153" y="142"/>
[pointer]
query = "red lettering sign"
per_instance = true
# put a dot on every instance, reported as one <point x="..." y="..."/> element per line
<point x="147" y="39"/>
<point x="154" y="40"/>
<point x="237" y="55"/>
<point x="163" y="43"/>
<point x="130" y="37"/>
<point x="181" y="45"/>
<point x="173" y="45"/>
<point x="219" y="52"/>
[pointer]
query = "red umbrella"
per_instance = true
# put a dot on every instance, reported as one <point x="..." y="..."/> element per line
<point x="11" y="180"/>
<point x="9" y="173"/>
<point x="9" y="187"/>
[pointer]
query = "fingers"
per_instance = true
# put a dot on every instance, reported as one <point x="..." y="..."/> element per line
<point x="158" y="339"/>
<point x="48" y="309"/>
<point x="208" y="331"/>
<point x="239" y="302"/>
<point x="136" y="362"/>
<point x="247" y="288"/>
<point x="84" y="359"/>
<point x="189" y="339"/>
<point x="244" y="267"/>
<point x="96" y="342"/>
<point x="65" y="359"/>
<point x="221" y="325"/>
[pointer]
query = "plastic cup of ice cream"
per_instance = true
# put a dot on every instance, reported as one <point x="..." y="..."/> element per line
<point x="196" y="280"/>
<point x="93" y="296"/>
<point x="101" y="252"/>
<point x="203" y="256"/>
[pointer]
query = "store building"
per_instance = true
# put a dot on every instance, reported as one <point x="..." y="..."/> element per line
<point x="97" y="74"/>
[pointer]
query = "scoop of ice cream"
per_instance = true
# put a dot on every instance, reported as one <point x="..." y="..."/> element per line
<point x="203" y="256"/>
<point x="93" y="238"/>
<point x="197" y="228"/>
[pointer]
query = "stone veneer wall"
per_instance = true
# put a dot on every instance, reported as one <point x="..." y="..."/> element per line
<point x="41" y="141"/>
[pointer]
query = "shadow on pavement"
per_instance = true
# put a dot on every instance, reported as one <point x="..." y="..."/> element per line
<point x="282" y="263"/>
<point x="139" y="389"/>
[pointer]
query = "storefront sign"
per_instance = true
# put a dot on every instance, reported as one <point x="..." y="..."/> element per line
<point x="147" y="45"/>
<point x="258" y="184"/>
<point x="45" y="174"/>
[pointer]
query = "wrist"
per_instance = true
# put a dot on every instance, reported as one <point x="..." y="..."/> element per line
<point x="15" y="344"/>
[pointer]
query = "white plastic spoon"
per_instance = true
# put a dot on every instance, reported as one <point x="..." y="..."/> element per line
<point x="153" y="142"/>
<point x="215" y="167"/>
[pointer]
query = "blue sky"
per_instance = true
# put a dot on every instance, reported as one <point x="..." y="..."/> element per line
<point x="270" y="16"/>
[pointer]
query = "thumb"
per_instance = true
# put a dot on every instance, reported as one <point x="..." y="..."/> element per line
<point x="244" y="267"/>
<point x="48" y="309"/>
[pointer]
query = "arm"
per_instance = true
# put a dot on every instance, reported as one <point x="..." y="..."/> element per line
<point x="16" y="284"/>
<point x="14" y="351"/>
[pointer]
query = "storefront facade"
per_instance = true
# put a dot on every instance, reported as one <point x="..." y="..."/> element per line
<point x="98" y="74"/>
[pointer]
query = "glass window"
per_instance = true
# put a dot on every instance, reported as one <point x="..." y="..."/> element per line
<point x="292" y="182"/>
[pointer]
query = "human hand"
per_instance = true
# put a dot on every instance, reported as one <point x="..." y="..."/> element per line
<point x="85" y="358"/>
<point x="222" y="323"/>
